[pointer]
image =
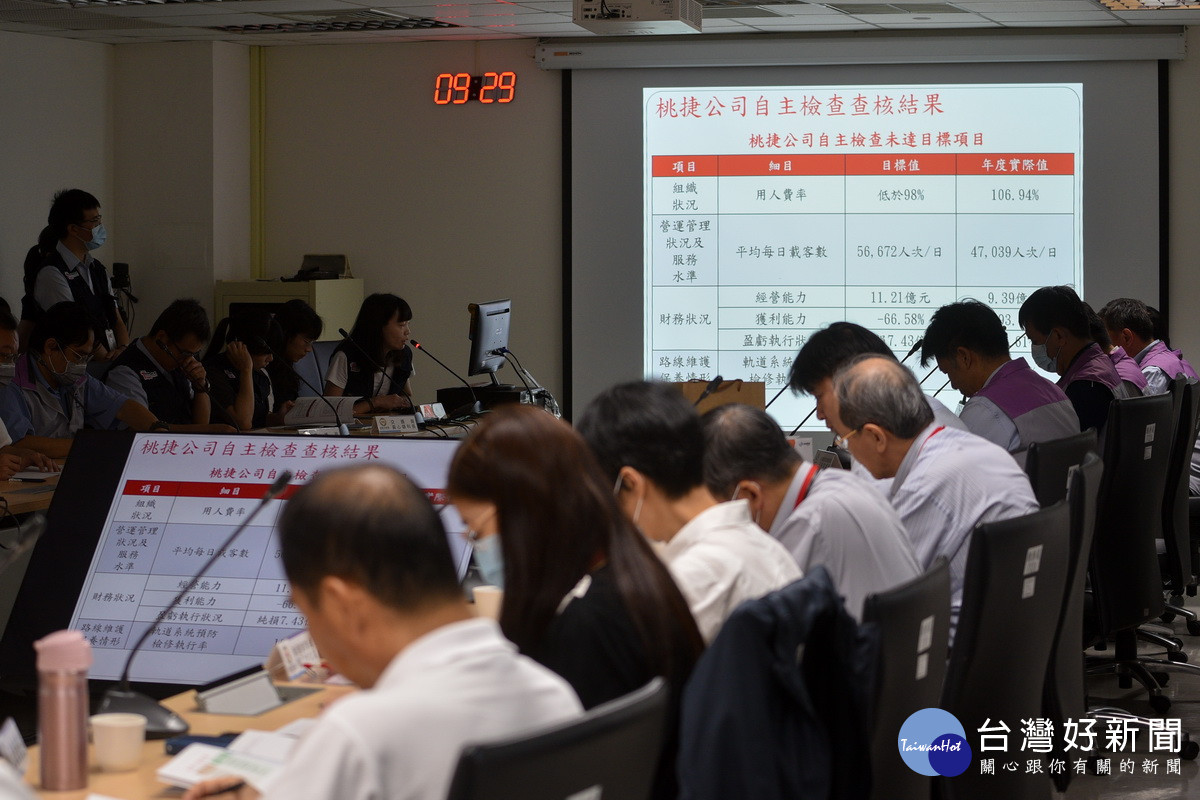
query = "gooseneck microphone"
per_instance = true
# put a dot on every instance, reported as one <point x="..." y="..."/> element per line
<point x="343" y="428"/>
<point x="161" y="722"/>
<point x="709" y="389"/>
<point x="476" y="407"/>
<point x="916" y="346"/>
<point x="412" y="407"/>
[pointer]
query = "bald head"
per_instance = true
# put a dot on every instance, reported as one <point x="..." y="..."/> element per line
<point x="744" y="443"/>
<point x="878" y="390"/>
<point x="369" y="525"/>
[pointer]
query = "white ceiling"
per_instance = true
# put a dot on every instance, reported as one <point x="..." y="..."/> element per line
<point x="291" y="21"/>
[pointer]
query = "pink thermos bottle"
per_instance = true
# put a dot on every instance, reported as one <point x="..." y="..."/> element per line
<point x="63" y="661"/>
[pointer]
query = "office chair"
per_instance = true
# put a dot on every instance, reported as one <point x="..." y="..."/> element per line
<point x="1126" y="581"/>
<point x="1049" y="464"/>
<point x="1177" y="562"/>
<point x="1012" y="603"/>
<point x="1065" y="696"/>
<point x="612" y="751"/>
<point x="913" y="623"/>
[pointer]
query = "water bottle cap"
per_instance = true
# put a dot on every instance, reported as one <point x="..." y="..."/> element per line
<point x="63" y="651"/>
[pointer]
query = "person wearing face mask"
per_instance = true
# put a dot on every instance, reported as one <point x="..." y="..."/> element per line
<point x="1061" y="342"/>
<point x="830" y="517"/>
<point x="235" y="364"/>
<point x="648" y="441"/>
<point x="10" y="344"/>
<point x="14" y="459"/>
<point x="375" y="363"/>
<point x="1008" y="403"/>
<point x="61" y="268"/>
<point x="583" y="592"/>
<point x="162" y="370"/>
<point x="52" y="396"/>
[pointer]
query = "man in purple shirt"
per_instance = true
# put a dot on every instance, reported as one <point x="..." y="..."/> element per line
<point x="1009" y="404"/>
<point x="1131" y="327"/>
<point x="1056" y="322"/>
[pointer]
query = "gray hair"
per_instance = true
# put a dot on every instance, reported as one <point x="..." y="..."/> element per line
<point x="877" y="390"/>
<point x="743" y="443"/>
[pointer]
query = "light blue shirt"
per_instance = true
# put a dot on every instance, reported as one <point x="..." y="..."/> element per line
<point x="949" y="482"/>
<point x="30" y="407"/>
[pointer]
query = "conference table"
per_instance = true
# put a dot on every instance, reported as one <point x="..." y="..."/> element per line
<point x="142" y="783"/>
<point x="25" y="497"/>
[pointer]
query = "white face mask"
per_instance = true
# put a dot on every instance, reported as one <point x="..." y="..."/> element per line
<point x="7" y="373"/>
<point x="1043" y="358"/>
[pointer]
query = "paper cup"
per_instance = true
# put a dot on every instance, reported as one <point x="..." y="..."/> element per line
<point x="117" y="741"/>
<point x="488" y="600"/>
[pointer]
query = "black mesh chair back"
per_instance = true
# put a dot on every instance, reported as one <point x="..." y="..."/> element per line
<point x="1066" y="695"/>
<point x="611" y="751"/>
<point x="1049" y="464"/>
<point x="1185" y="397"/>
<point x="1012" y="603"/>
<point x="1126" y="580"/>
<point x="913" y="622"/>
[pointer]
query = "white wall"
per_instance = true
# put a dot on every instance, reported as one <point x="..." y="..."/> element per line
<point x="1184" y="196"/>
<point x="57" y="133"/>
<point x="443" y="205"/>
<point x="182" y="164"/>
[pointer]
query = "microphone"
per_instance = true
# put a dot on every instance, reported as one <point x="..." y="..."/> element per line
<point x="712" y="387"/>
<point x="412" y="407"/>
<point x="161" y="722"/>
<point x="475" y="407"/>
<point x="916" y="346"/>
<point x="343" y="428"/>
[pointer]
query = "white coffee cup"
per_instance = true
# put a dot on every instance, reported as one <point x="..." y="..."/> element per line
<point x="117" y="741"/>
<point x="488" y="600"/>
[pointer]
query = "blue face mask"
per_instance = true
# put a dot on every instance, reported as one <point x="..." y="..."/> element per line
<point x="99" y="237"/>
<point x="490" y="559"/>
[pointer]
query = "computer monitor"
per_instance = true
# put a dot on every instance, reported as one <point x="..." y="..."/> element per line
<point x="135" y="517"/>
<point x="489" y="336"/>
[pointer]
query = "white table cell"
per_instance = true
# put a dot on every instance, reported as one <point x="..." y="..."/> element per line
<point x="899" y="250"/>
<point x="792" y="194"/>
<point x="1025" y="249"/>
<point x="735" y="340"/>
<point x="773" y="318"/>
<point x="893" y="296"/>
<point x="683" y="195"/>
<point x="683" y="365"/>
<point x="900" y="194"/>
<point x="793" y="296"/>
<point x="1016" y="194"/>
<point x="778" y="250"/>
<point x="684" y="251"/>
<point x="142" y="508"/>
<point x="683" y="318"/>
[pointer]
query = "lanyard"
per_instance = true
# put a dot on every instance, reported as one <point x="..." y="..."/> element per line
<point x="804" y="487"/>
<point x="935" y="432"/>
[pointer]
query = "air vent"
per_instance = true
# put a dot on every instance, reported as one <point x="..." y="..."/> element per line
<point x="325" y="21"/>
<point x="737" y="12"/>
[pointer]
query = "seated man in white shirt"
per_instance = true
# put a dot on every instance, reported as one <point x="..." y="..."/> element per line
<point x="1009" y="404"/>
<point x="648" y="440"/>
<point x="370" y="568"/>
<point x="945" y="481"/>
<point x="823" y="516"/>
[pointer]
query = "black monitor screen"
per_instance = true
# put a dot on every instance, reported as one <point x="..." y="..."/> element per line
<point x="136" y="516"/>
<point x="489" y="336"/>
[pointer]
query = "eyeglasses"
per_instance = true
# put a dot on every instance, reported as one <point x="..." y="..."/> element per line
<point x="840" y="441"/>
<point x="76" y="356"/>
<point x="91" y="223"/>
<point x="8" y="358"/>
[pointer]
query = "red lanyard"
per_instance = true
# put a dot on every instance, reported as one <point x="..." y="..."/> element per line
<point x="936" y="431"/>
<point x="804" y="487"/>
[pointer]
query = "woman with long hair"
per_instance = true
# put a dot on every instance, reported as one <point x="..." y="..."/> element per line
<point x="300" y="325"/>
<point x="583" y="592"/>
<point x="375" y="363"/>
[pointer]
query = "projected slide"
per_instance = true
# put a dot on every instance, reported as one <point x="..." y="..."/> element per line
<point x="179" y="497"/>
<point x="771" y="212"/>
